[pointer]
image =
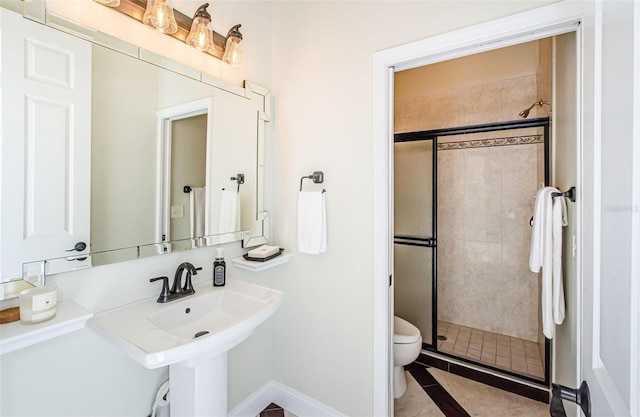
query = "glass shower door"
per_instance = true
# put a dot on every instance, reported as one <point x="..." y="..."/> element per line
<point x="414" y="235"/>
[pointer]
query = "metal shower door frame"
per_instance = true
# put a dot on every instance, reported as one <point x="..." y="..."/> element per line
<point x="433" y="135"/>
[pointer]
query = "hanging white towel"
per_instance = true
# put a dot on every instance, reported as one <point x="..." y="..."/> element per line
<point x="546" y="253"/>
<point x="559" y="219"/>
<point x="229" y="211"/>
<point x="312" y="227"/>
<point x="196" y="211"/>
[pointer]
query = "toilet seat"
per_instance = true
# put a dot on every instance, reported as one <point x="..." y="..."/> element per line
<point x="404" y="332"/>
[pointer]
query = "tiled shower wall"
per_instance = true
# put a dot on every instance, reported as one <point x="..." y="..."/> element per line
<point x="488" y="102"/>
<point x="485" y="199"/>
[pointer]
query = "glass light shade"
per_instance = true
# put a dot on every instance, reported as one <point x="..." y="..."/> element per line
<point x="233" y="51"/>
<point x="200" y="36"/>
<point x="159" y="16"/>
<point x="110" y="3"/>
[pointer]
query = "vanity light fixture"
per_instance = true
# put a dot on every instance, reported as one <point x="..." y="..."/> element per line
<point x="110" y="3"/>
<point x="200" y="36"/>
<point x="233" y="51"/>
<point x="195" y="32"/>
<point x="159" y="16"/>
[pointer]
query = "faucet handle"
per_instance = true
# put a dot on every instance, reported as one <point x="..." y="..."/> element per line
<point x="188" y="287"/>
<point x="164" y="293"/>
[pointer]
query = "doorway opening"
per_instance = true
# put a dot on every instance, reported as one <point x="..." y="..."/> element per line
<point x="473" y="142"/>
<point x="184" y="141"/>
<point x="551" y="20"/>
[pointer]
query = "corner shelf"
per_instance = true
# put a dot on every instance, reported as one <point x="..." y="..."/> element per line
<point x="69" y="317"/>
<point x="242" y="263"/>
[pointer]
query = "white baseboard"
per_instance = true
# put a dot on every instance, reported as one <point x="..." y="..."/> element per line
<point x="286" y="397"/>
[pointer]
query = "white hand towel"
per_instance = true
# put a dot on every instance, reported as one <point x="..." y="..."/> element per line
<point x="559" y="220"/>
<point x="229" y="212"/>
<point x="196" y="211"/>
<point x="540" y="255"/>
<point x="312" y="227"/>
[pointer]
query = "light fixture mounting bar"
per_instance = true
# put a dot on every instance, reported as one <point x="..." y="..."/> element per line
<point x="136" y="8"/>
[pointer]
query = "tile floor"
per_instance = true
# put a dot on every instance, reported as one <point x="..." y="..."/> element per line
<point x="432" y="392"/>
<point x="504" y="352"/>
<point x="274" y="410"/>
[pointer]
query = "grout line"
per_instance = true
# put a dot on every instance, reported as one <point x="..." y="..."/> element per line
<point x="512" y="349"/>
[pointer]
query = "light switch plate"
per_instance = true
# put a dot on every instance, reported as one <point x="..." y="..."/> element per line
<point x="177" y="212"/>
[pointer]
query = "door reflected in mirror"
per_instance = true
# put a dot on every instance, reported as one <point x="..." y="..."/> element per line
<point x="147" y="147"/>
<point x="188" y="167"/>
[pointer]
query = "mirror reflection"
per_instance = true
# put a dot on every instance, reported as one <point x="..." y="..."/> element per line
<point x="141" y="164"/>
<point x="175" y="162"/>
<point x="188" y="182"/>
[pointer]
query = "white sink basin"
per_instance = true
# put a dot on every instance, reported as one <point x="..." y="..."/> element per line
<point x="156" y="334"/>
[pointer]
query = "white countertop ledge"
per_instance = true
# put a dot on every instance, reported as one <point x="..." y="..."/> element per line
<point x="254" y="266"/>
<point x="69" y="317"/>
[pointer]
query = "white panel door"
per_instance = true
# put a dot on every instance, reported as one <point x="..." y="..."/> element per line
<point x="610" y="331"/>
<point x="46" y="143"/>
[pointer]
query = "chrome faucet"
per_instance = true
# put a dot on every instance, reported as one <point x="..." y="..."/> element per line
<point x="177" y="289"/>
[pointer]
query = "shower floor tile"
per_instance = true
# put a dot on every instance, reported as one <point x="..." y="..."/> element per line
<point x="505" y="352"/>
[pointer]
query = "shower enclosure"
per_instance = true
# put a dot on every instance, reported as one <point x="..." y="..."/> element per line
<point x="464" y="197"/>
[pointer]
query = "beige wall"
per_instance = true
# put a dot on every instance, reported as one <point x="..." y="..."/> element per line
<point x="495" y="65"/>
<point x="483" y="88"/>
<point x="485" y="194"/>
<point x="320" y="341"/>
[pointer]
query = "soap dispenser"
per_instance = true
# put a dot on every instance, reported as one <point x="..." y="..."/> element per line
<point x="219" y="269"/>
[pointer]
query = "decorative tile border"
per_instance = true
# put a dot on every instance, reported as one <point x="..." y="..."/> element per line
<point x="485" y="143"/>
<point x="504" y="383"/>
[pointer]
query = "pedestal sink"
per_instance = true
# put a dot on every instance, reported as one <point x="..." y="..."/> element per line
<point x="192" y="336"/>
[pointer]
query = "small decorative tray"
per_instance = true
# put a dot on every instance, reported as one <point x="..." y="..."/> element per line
<point x="249" y="258"/>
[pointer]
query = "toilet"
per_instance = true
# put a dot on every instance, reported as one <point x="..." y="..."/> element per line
<point x="407" y="344"/>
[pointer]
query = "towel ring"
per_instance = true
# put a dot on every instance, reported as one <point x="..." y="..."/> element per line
<point x="570" y="194"/>
<point x="317" y="177"/>
<point x="239" y="178"/>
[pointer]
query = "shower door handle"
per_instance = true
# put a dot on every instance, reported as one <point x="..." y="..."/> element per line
<point x="427" y="242"/>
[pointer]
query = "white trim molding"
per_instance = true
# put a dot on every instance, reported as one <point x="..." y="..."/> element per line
<point x="286" y="397"/>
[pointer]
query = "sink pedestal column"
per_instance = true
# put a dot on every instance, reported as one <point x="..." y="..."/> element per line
<point x="199" y="389"/>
